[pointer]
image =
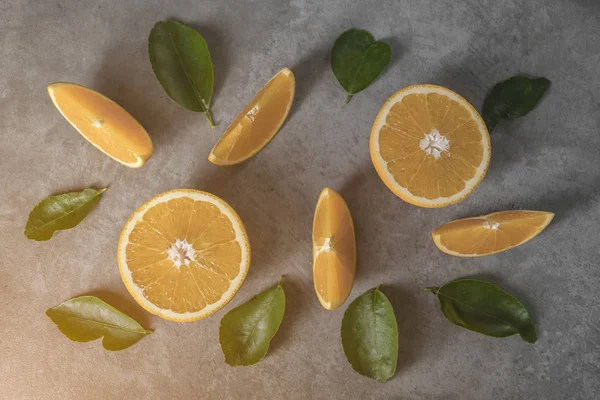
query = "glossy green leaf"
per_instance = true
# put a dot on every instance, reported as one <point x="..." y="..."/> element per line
<point x="247" y="330"/>
<point x="60" y="212"/>
<point x="484" y="308"/>
<point x="87" y="318"/>
<point x="370" y="336"/>
<point x="513" y="98"/>
<point x="357" y="59"/>
<point x="181" y="62"/>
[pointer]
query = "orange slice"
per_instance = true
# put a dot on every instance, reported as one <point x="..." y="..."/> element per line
<point x="334" y="250"/>
<point x="490" y="234"/>
<point x="430" y="146"/>
<point x="183" y="254"/>
<point x="104" y="123"/>
<point x="257" y="124"/>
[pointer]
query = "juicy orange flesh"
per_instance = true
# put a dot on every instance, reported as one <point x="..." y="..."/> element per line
<point x="481" y="235"/>
<point x="421" y="174"/>
<point x="102" y="122"/>
<point x="256" y="124"/>
<point x="187" y="288"/>
<point x="333" y="269"/>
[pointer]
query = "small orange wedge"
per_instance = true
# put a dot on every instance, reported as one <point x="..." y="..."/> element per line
<point x="334" y="250"/>
<point x="490" y="234"/>
<point x="104" y="123"/>
<point x="258" y="123"/>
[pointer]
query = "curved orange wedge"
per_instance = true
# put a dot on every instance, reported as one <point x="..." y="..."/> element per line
<point x="490" y="234"/>
<point x="257" y="124"/>
<point x="104" y="123"/>
<point x="334" y="250"/>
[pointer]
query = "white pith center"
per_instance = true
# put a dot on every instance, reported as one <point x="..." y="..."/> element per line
<point x="181" y="253"/>
<point x="326" y="244"/>
<point x="97" y="123"/>
<point x="494" y="226"/>
<point x="434" y="143"/>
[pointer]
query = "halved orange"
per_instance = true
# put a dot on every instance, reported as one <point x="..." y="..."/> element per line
<point x="104" y="123"/>
<point x="490" y="234"/>
<point x="334" y="250"/>
<point x="430" y="146"/>
<point x="258" y="123"/>
<point x="183" y="254"/>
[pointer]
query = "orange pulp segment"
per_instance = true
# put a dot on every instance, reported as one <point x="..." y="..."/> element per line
<point x="430" y="146"/>
<point x="255" y="126"/>
<point x="334" y="250"/>
<point x="183" y="254"/>
<point x="104" y="123"/>
<point x="490" y="234"/>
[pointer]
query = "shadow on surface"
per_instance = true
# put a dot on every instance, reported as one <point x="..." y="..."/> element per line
<point x="117" y="79"/>
<point x="273" y="211"/>
<point x="410" y="327"/>
<point x="307" y="72"/>
<point x="296" y="297"/>
<point x="370" y="201"/>
<point x="124" y="303"/>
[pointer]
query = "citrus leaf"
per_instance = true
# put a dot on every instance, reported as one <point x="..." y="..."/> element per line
<point x="87" y="318"/>
<point x="513" y="98"/>
<point x="484" y="308"/>
<point x="60" y="212"/>
<point x="181" y="62"/>
<point x="247" y="330"/>
<point x="357" y="59"/>
<point x="370" y="336"/>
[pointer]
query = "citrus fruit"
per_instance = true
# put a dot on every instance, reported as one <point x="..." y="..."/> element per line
<point x="430" y="146"/>
<point x="183" y="254"/>
<point x="334" y="250"/>
<point x="255" y="126"/>
<point x="104" y="123"/>
<point x="490" y="234"/>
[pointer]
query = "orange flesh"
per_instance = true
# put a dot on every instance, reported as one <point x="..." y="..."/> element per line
<point x="187" y="288"/>
<point x="334" y="248"/>
<point x="492" y="233"/>
<point x="421" y="174"/>
<point x="102" y="122"/>
<point x="259" y="121"/>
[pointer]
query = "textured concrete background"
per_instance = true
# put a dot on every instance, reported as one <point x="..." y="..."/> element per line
<point x="547" y="160"/>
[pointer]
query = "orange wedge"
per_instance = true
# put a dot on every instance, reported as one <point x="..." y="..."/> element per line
<point x="430" y="146"/>
<point x="104" y="123"/>
<point x="490" y="234"/>
<point x="334" y="250"/>
<point x="257" y="124"/>
<point x="183" y="254"/>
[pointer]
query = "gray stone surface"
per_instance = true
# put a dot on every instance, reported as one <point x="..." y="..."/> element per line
<point x="547" y="160"/>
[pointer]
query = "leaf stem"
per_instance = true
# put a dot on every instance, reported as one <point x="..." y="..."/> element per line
<point x="209" y="117"/>
<point x="280" y="280"/>
<point x="349" y="98"/>
<point x="433" y="290"/>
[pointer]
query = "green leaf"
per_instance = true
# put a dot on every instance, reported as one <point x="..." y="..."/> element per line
<point x="87" y="318"/>
<point x="181" y="62"/>
<point x="247" y="330"/>
<point x="357" y="59"/>
<point x="513" y="98"/>
<point x="60" y="212"/>
<point x="484" y="308"/>
<point x="370" y="336"/>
